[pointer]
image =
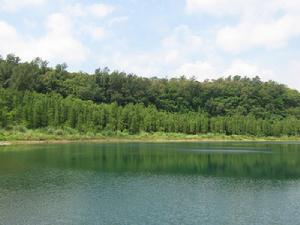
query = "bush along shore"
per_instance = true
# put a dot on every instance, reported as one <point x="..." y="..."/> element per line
<point x="22" y="135"/>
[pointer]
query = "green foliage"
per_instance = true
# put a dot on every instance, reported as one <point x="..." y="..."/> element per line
<point x="230" y="96"/>
<point x="32" y="95"/>
<point x="58" y="114"/>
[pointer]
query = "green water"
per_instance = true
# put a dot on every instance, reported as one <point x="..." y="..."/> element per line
<point x="143" y="183"/>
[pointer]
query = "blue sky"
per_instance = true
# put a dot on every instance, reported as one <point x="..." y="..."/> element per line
<point x="206" y="39"/>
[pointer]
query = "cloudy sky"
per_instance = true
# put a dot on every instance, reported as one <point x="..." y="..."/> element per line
<point x="164" y="38"/>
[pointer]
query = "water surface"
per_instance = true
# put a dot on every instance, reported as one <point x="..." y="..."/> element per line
<point x="150" y="183"/>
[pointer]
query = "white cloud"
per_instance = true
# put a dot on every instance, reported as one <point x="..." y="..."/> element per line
<point x="59" y="24"/>
<point x="183" y="37"/>
<point x="100" y="10"/>
<point x="267" y="24"/>
<point x="9" y="39"/>
<point x="57" y="45"/>
<point x="250" y="34"/>
<point x="60" y="42"/>
<point x="239" y="67"/>
<point x="142" y="64"/>
<point x="116" y="20"/>
<point x="174" y="50"/>
<point x="76" y="10"/>
<point x="89" y="19"/>
<point x="215" y="7"/>
<point x="290" y="75"/>
<point x="97" y="10"/>
<point x="243" y="8"/>
<point x="243" y="68"/>
<point x="14" y="5"/>
<point x="252" y="24"/>
<point x="201" y="70"/>
<point x="180" y="44"/>
<point x="97" y="33"/>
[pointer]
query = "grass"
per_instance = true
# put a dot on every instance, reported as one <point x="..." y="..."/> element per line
<point x="23" y="135"/>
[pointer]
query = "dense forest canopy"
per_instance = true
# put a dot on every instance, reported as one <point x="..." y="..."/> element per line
<point x="222" y="97"/>
<point x="35" y="95"/>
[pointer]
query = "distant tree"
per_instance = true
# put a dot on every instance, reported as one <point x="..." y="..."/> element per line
<point x="25" y="77"/>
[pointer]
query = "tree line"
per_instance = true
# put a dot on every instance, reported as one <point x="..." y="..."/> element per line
<point x="36" y="110"/>
<point x="234" y="96"/>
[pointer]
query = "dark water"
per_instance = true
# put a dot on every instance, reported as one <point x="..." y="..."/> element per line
<point x="142" y="183"/>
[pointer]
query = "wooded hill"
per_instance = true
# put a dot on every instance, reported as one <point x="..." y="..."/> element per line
<point x="35" y="95"/>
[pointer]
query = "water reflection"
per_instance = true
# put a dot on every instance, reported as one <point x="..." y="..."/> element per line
<point x="256" y="160"/>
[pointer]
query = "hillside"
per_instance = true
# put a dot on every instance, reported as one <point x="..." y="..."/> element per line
<point x="34" y="95"/>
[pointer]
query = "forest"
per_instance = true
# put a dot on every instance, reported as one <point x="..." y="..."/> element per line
<point x="34" y="95"/>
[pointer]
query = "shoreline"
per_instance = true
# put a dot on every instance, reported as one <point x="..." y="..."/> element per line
<point x="146" y="140"/>
<point x="42" y="136"/>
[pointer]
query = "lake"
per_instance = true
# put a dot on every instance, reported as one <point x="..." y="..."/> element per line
<point x="151" y="183"/>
